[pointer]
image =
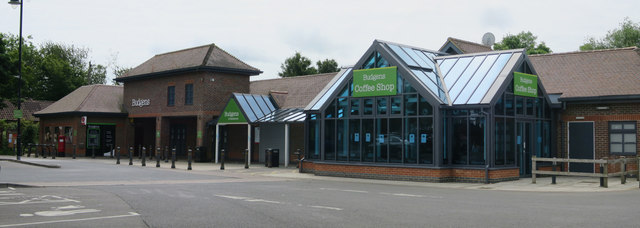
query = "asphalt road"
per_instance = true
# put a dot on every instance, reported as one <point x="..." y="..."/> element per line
<point x="172" y="198"/>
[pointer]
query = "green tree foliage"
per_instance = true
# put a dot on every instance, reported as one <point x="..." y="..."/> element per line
<point x="327" y="66"/>
<point x="522" y="40"/>
<point x="626" y="36"/>
<point x="49" y="71"/>
<point x="29" y="134"/>
<point x="6" y="70"/>
<point x="298" y="65"/>
<point x="119" y="71"/>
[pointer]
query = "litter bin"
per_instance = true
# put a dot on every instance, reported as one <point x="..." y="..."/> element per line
<point x="275" y="158"/>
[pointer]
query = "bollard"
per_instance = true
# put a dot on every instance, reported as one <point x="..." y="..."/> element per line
<point x="130" y="155"/>
<point x="29" y="150"/>
<point x="139" y="151"/>
<point x="42" y="148"/>
<point x="165" y="152"/>
<point x="221" y="159"/>
<point x="623" y="168"/>
<point x="173" y="158"/>
<point x="553" y="168"/>
<point x="118" y="157"/>
<point x="110" y="150"/>
<point x="36" y="152"/>
<point x="144" y="156"/>
<point x="157" y="157"/>
<point x="75" y="147"/>
<point x="189" y="155"/>
<point x="150" y="152"/>
<point x="601" y="178"/>
<point x="246" y="158"/>
<point x="269" y="162"/>
<point x="55" y="151"/>
<point x="298" y="154"/>
<point x="93" y="152"/>
<point x="486" y="174"/>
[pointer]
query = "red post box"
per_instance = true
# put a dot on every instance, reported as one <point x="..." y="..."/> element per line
<point x="61" y="143"/>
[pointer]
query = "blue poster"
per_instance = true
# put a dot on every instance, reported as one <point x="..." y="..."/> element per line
<point x="423" y="138"/>
<point x="381" y="138"/>
<point x="367" y="137"/>
<point x="412" y="138"/>
<point x="519" y="140"/>
<point x="356" y="137"/>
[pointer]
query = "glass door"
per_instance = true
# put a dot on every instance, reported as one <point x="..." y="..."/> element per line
<point x="524" y="146"/>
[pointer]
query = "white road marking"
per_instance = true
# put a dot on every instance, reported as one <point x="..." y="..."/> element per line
<point x="344" y="190"/>
<point x="64" y="213"/>
<point x="71" y="220"/>
<point x="248" y="199"/>
<point x="26" y="215"/>
<point x="41" y="199"/>
<point x="329" y="208"/>
<point x="410" y="195"/>
<point x="232" y="197"/>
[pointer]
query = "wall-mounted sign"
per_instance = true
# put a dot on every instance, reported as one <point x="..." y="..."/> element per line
<point x="83" y="120"/>
<point x="525" y="84"/>
<point x="375" y="82"/>
<point x="140" y="102"/>
<point x="232" y="114"/>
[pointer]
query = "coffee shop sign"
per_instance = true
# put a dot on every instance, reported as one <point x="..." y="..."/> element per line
<point x="140" y="102"/>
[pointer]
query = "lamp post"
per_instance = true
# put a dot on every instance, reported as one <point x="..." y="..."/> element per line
<point x="15" y="3"/>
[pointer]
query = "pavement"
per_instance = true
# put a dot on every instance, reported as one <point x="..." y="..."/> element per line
<point x="259" y="171"/>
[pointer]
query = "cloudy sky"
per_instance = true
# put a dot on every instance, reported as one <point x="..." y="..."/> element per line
<point x="265" y="33"/>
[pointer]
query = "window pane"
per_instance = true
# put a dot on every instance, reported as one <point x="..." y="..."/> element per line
<point x="243" y="103"/>
<point x="519" y="105"/>
<point x="456" y="71"/>
<point x="314" y="139"/>
<point x="367" y="140"/>
<point x="629" y="148"/>
<point x="408" y="88"/>
<point x="368" y="106"/>
<point x="459" y="147"/>
<point x="330" y="112"/>
<point x="329" y="140"/>
<point x="430" y="84"/>
<point x="508" y="105"/>
<point x="370" y="63"/>
<point x="410" y="104"/>
<point x="381" y="140"/>
<point x="403" y="55"/>
<point x="490" y="77"/>
<point x="396" y="104"/>
<point x="410" y="140"/>
<point x="499" y="108"/>
<point x="617" y="138"/>
<point x="188" y="94"/>
<point x="355" y="107"/>
<point x="343" y="105"/>
<point x="445" y="65"/>
<point x="354" y="140"/>
<point x="425" y="137"/>
<point x="396" y="141"/>
<point x="425" y="107"/>
<point x="529" y="103"/>
<point x="616" y="148"/>
<point x="499" y="139"/>
<point x="539" y="110"/>
<point x="509" y="138"/>
<point x="616" y="126"/>
<point x="629" y="138"/>
<point x="342" y="140"/>
<point x="464" y="80"/>
<point x="629" y="126"/>
<point x="382" y="106"/>
<point x="427" y="60"/>
<point x="171" y="95"/>
<point x="477" y="156"/>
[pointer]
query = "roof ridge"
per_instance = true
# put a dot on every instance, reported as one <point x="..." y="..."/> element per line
<point x="214" y="46"/>
<point x="588" y="51"/>
<point x="301" y="76"/>
<point x="469" y="42"/>
<point x="93" y="88"/>
<point x="206" y="56"/>
<point x="186" y="49"/>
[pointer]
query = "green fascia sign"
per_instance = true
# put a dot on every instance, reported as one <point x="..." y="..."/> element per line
<point x="232" y="114"/>
<point x="525" y="84"/>
<point x="375" y="82"/>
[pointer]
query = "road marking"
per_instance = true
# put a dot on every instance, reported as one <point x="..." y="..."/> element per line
<point x="41" y="199"/>
<point x="410" y="195"/>
<point x="64" y="213"/>
<point x="71" y="220"/>
<point x="344" y="190"/>
<point x="329" y="208"/>
<point x="248" y="199"/>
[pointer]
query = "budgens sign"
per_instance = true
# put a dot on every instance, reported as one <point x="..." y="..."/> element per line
<point x="375" y="82"/>
<point x="232" y="114"/>
<point x="525" y="84"/>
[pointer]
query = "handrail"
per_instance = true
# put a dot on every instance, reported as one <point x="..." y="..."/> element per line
<point x="604" y="168"/>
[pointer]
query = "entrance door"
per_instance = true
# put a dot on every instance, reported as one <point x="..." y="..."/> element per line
<point x="581" y="145"/>
<point x="178" y="135"/>
<point x="524" y="146"/>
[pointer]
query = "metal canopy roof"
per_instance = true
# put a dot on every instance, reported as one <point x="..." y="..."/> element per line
<point x="254" y="106"/>
<point x="289" y="115"/>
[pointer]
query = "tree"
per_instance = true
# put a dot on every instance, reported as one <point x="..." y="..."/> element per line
<point x="119" y="71"/>
<point x="626" y="36"/>
<point x="6" y="70"/>
<point x="297" y="65"/>
<point x="522" y="40"/>
<point x="97" y="74"/>
<point x="327" y="66"/>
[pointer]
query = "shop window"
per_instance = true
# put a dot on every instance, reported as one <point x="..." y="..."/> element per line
<point x="367" y="107"/>
<point x="519" y="105"/>
<point x="411" y="144"/>
<point x="381" y="106"/>
<point x="396" y="140"/>
<point x="314" y="139"/>
<point x="381" y="139"/>
<point x="459" y="140"/>
<point x="509" y="138"/>
<point x="368" y="141"/>
<point x="343" y="106"/>
<point x="330" y="112"/>
<point x="425" y="139"/>
<point x="539" y="109"/>
<point x="188" y="94"/>
<point x="499" y="107"/>
<point x="477" y="155"/>
<point x="499" y="140"/>
<point x="355" y="107"/>
<point x="329" y="140"/>
<point x="410" y="104"/>
<point x="396" y="105"/>
<point x="509" y="108"/>
<point x="342" y="133"/>
<point x="171" y="96"/>
<point x="354" y="140"/>
<point x="425" y="107"/>
<point x="529" y="105"/>
<point x="622" y="138"/>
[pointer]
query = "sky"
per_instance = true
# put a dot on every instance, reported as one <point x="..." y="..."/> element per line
<point x="264" y="33"/>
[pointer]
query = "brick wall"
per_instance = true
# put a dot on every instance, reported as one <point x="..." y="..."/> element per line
<point x="410" y="173"/>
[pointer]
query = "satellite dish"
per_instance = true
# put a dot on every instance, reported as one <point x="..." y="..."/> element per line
<point x="488" y="39"/>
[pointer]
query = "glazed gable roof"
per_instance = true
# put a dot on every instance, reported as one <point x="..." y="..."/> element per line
<point x="207" y="57"/>
<point x="28" y="108"/>
<point x="292" y="92"/>
<point x="466" y="47"/>
<point x="96" y="99"/>
<point x="590" y="74"/>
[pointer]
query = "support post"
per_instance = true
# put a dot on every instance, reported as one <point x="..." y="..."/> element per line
<point x="158" y="157"/>
<point x="286" y="145"/>
<point x="130" y="155"/>
<point x="623" y="169"/>
<point x="606" y="174"/>
<point x="246" y="158"/>
<point x="189" y="156"/>
<point x="215" y="154"/>
<point x="222" y="158"/>
<point x="248" y="146"/>
<point x="118" y="156"/>
<point x="533" y="169"/>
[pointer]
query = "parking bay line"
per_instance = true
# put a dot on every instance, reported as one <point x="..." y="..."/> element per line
<point x="71" y="220"/>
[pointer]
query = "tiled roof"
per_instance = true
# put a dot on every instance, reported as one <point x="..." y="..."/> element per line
<point x="612" y="72"/>
<point x="88" y="99"/>
<point x="467" y="47"/>
<point x="28" y="108"/>
<point x="208" y="56"/>
<point x="292" y="92"/>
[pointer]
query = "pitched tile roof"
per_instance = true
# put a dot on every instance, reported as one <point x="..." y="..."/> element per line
<point x="88" y="99"/>
<point x="28" y="108"/>
<point x="599" y="73"/>
<point x="202" y="57"/>
<point x="467" y="47"/>
<point x="292" y="92"/>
